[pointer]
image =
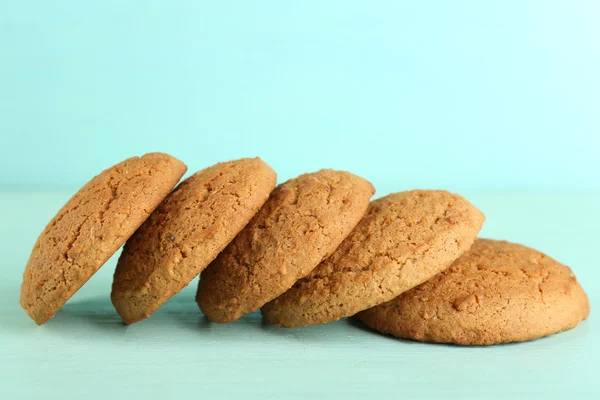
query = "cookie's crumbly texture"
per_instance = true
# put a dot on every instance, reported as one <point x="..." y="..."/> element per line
<point x="302" y="223"/>
<point x="498" y="292"/>
<point x="403" y="240"/>
<point x="91" y="226"/>
<point x="186" y="232"/>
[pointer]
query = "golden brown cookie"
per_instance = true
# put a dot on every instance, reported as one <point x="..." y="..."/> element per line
<point x="302" y="223"/>
<point x="92" y="226"/>
<point x="498" y="292"/>
<point x="186" y="232"/>
<point x="403" y="240"/>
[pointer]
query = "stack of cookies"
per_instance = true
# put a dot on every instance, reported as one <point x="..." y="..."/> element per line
<point x="312" y="250"/>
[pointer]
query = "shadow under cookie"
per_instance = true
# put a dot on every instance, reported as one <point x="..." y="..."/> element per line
<point x="99" y="312"/>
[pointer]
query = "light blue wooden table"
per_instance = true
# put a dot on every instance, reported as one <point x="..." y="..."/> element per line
<point x="86" y="353"/>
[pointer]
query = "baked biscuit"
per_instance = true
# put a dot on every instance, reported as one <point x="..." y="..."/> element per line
<point x="498" y="292"/>
<point x="301" y="224"/>
<point x="92" y="226"/>
<point x="403" y="240"/>
<point x="186" y="232"/>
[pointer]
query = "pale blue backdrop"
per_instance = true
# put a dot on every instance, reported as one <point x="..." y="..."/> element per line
<point x="498" y="101"/>
<point x="422" y="94"/>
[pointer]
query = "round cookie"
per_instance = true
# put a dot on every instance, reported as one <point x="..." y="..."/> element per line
<point x="186" y="232"/>
<point x="498" y="292"/>
<point x="302" y="223"/>
<point x="92" y="226"/>
<point x="403" y="240"/>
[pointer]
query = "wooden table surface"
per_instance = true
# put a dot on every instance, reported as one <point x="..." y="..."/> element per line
<point x="85" y="352"/>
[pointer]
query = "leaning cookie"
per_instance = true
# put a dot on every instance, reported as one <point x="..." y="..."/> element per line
<point x="92" y="226"/>
<point x="498" y="292"/>
<point x="302" y="223"/>
<point x="403" y="240"/>
<point x="186" y="232"/>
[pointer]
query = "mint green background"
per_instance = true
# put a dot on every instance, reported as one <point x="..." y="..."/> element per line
<point x="456" y="94"/>
<point x="498" y="101"/>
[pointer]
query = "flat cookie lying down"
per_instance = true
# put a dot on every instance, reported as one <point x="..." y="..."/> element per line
<point x="498" y="292"/>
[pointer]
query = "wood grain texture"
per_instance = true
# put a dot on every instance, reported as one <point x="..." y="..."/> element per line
<point x="86" y="352"/>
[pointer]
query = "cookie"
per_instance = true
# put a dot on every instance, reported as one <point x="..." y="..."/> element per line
<point x="186" y="232"/>
<point x="91" y="227"/>
<point x="403" y="240"/>
<point x="498" y="292"/>
<point x="302" y="223"/>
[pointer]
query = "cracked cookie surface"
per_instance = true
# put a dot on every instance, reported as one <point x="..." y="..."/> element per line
<point x="302" y="223"/>
<point x="403" y="240"/>
<point x="498" y="292"/>
<point x="91" y="227"/>
<point x="186" y="232"/>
